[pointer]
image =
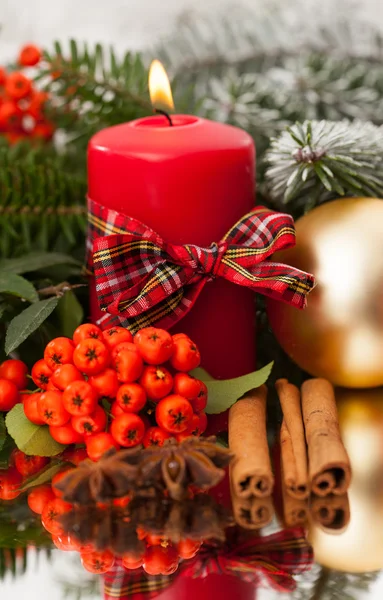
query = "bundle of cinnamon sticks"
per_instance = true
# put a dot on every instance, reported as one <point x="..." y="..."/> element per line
<point x="313" y="457"/>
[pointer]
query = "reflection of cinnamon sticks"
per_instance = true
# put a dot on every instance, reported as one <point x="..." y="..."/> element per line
<point x="250" y="470"/>
<point x="295" y="510"/>
<point x="252" y="513"/>
<point x="292" y="438"/>
<point x="331" y="512"/>
<point x="329" y="465"/>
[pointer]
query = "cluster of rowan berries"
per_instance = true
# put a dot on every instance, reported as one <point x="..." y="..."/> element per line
<point x="99" y="390"/>
<point x="106" y="388"/>
<point x="21" y="103"/>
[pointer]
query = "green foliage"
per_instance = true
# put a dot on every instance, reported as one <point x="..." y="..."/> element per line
<point x="43" y="476"/>
<point x="36" y="261"/>
<point x="15" y="285"/>
<point x="315" y="161"/>
<point x="224" y="392"/>
<point x="70" y="313"/>
<point x="42" y="205"/>
<point x="30" y="438"/>
<point x="22" y="326"/>
<point x="3" y="431"/>
<point x="94" y="88"/>
<point x="44" y="285"/>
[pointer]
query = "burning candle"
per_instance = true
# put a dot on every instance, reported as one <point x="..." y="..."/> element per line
<point x="190" y="180"/>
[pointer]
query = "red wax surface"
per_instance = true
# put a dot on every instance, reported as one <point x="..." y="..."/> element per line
<point x="212" y="587"/>
<point x="190" y="183"/>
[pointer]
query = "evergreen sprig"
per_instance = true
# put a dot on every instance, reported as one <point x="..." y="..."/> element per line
<point x="42" y="202"/>
<point x="92" y="88"/>
<point x="315" y="161"/>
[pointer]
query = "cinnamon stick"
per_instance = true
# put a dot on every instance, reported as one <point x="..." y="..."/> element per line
<point x="253" y="513"/>
<point x="250" y="470"/>
<point x="293" y="442"/>
<point x="331" y="513"/>
<point x="329" y="464"/>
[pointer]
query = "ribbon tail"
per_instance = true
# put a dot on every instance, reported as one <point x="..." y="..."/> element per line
<point x="275" y="280"/>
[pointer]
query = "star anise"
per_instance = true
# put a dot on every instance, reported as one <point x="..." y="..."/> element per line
<point x="175" y="466"/>
<point x="107" y="528"/>
<point x="200" y="518"/>
<point x="101" y="481"/>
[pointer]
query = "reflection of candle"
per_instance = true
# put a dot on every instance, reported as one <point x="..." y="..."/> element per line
<point x="190" y="182"/>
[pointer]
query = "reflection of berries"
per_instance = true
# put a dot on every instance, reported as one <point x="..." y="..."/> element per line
<point x="39" y="496"/>
<point x="10" y="481"/>
<point x="160" y="561"/>
<point x="28" y="465"/>
<point x="97" y="562"/>
<point x="50" y="516"/>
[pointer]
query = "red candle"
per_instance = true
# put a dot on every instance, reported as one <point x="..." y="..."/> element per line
<point x="190" y="182"/>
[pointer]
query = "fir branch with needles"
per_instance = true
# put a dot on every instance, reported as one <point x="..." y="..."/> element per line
<point x="92" y="88"/>
<point x="43" y="202"/>
<point x="315" y="161"/>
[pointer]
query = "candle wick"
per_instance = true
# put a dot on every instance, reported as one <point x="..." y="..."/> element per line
<point x="165" y="114"/>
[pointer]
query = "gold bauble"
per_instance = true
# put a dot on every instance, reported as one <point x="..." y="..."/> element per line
<point x="339" y="335"/>
<point x="360" y="547"/>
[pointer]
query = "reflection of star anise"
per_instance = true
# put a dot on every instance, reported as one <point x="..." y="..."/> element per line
<point x="194" y="461"/>
<point x="101" y="481"/>
<point x="106" y="528"/>
<point x="200" y="518"/>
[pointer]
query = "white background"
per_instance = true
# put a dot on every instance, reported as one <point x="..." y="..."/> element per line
<point x="127" y="24"/>
<point x="134" y="23"/>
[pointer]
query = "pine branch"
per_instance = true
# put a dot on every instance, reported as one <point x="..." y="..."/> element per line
<point x="43" y="204"/>
<point x="92" y="88"/>
<point x="318" y="160"/>
<point x="267" y="34"/>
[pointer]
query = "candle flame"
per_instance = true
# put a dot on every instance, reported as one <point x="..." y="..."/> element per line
<point x="159" y="87"/>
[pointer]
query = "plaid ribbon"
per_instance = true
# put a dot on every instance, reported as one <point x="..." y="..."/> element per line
<point x="141" y="279"/>
<point x="277" y="557"/>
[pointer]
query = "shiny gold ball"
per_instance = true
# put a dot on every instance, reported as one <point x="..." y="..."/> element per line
<point x="339" y="335"/>
<point x="359" y="547"/>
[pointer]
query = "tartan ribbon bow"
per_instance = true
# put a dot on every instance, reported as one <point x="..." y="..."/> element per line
<point x="141" y="279"/>
<point x="277" y="557"/>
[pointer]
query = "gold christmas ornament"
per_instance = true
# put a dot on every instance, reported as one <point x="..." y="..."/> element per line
<point x="339" y="335"/>
<point x="359" y="548"/>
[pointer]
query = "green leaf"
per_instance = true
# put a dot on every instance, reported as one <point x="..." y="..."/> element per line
<point x="10" y="283"/>
<point x="27" y="322"/>
<point x="224" y="393"/>
<point x="35" y="261"/>
<point x="43" y="476"/>
<point x="31" y="438"/>
<point x="70" y="313"/>
<point x="3" y="431"/>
